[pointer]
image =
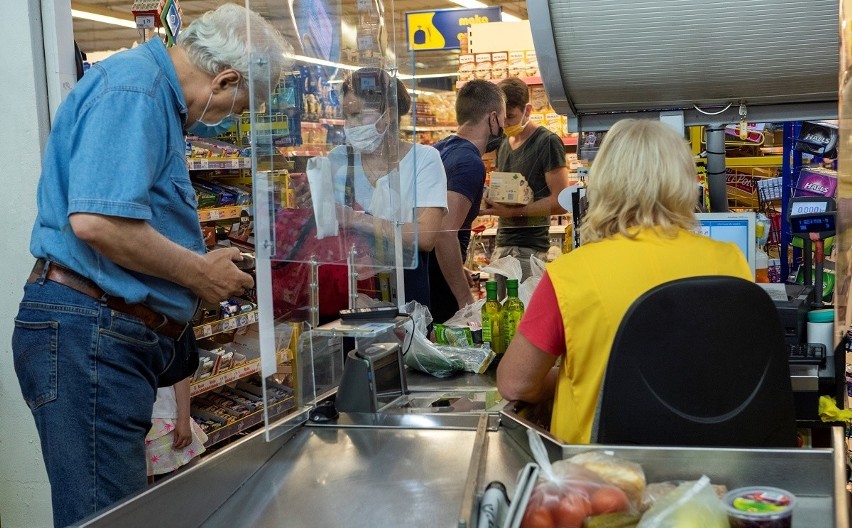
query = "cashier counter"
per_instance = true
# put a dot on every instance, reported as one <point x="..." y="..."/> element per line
<point x="425" y="458"/>
<point x="810" y="381"/>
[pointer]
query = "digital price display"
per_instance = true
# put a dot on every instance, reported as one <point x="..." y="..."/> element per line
<point x="809" y="205"/>
<point x="801" y="208"/>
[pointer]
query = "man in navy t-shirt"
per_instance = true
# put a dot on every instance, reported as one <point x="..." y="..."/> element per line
<point x="480" y="113"/>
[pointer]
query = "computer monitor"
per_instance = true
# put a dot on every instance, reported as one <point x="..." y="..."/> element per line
<point x="738" y="228"/>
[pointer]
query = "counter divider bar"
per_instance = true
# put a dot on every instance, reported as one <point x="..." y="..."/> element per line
<point x="468" y="514"/>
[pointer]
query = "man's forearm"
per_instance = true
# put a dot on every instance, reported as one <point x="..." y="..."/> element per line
<point x="135" y="245"/>
<point x="449" y="259"/>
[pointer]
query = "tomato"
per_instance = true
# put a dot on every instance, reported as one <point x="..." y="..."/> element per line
<point x="537" y="518"/>
<point x="571" y="511"/>
<point x="609" y="499"/>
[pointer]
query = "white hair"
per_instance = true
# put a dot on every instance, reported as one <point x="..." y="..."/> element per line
<point x="233" y="37"/>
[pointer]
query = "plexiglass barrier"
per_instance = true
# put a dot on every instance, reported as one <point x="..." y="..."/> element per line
<point x="339" y="196"/>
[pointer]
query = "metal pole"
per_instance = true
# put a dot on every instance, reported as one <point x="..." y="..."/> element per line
<point x="715" y="135"/>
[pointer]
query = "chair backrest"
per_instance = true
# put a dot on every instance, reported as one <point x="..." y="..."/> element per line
<point x="699" y="361"/>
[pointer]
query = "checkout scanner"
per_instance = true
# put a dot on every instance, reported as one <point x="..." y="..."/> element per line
<point x="373" y="379"/>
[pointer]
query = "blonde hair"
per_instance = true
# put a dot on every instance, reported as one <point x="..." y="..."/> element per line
<point x="643" y="177"/>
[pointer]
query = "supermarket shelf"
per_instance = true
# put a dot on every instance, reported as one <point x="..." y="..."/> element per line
<point x="223" y="378"/>
<point x="218" y="163"/>
<point x="755" y="161"/>
<point x="304" y="150"/>
<point x="528" y="80"/>
<point x="222" y="213"/>
<point x="430" y="128"/>
<point x="225" y="325"/>
<point x="275" y="410"/>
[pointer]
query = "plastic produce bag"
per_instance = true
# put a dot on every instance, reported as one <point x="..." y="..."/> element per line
<point x="627" y="476"/>
<point x="567" y="494"/>
<point x="690" y="505"/>
<point x="470" y="316"/>
<point x="507" y="266"/>
<point x="526" y="288"/>
<point x="439" y="361"/>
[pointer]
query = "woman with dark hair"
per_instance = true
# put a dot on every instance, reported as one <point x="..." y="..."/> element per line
<point x="388" y="179"/>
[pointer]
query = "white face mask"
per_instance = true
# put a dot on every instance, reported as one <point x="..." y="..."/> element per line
<point x="364" y="138"/>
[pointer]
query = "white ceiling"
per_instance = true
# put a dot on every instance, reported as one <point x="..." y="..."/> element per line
<point x="96" y="36"/>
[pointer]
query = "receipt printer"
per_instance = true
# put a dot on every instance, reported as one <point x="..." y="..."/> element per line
<point x="794" y="312"/>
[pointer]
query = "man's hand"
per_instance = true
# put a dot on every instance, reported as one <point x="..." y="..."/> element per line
<point x="221" y="278"/>
<point x="501" y="210"/>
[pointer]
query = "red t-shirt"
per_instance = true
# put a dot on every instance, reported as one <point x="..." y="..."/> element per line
<point x="542" y="321"/>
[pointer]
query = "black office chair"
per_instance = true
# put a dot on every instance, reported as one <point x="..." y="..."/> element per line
<point x="699" y="362"/>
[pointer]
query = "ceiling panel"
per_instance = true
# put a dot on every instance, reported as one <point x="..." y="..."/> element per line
<point x="96" y="36"/>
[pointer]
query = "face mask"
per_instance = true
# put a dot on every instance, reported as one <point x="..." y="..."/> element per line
<point x="514" y="130"/>
<point x="494" y="140"/>
<point x="364" y="138"/>
<point x="207" y="130"/>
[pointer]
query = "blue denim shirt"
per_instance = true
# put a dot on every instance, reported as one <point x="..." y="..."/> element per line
<point x="117" y="149"/>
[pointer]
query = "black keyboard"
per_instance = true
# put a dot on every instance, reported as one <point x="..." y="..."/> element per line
<point x="809" y="354"/>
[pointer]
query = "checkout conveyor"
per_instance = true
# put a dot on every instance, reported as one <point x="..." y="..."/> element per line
<point x="426" y="462"/>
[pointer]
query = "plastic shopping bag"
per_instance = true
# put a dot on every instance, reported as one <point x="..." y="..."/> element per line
<point x="567" y="493"/>
<point x="690" y="504"/>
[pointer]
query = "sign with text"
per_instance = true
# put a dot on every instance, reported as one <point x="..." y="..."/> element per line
<point x="442" y="29"/>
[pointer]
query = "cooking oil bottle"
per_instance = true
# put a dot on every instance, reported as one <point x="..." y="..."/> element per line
<point x="512" y="311"/>
<point x="491" y="320"/>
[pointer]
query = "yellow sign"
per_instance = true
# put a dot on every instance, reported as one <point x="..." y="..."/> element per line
<point x="422" y="33"/>
<point x="440" y="29"/>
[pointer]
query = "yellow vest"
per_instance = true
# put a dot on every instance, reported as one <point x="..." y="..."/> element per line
<point x="595" y="285"/>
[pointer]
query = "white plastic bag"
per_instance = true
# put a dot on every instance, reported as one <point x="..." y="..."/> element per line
<point x="470" y="316"/>
<point x="507" y="266"/>
<point x="690" y="504"/>
<point x="526" y="288"/>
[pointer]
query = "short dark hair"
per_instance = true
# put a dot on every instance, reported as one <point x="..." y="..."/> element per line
<point x="378" y="95"/>
<point x="477" y="99"/>
<point x="517" y="92"/>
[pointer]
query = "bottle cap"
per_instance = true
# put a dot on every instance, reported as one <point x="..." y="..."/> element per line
<point x="511" y="283"/>
<point x="491" y="285"/>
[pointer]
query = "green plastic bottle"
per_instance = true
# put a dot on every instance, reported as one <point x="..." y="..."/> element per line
<point x="512" y="311"/>
<point x="491" y="320"/>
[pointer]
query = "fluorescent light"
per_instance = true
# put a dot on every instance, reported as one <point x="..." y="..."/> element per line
<point x="509" y="18"/>
<point x="76" y="13"/>
<point x="322" y="62"/>
<point x="470" y="4"/>
<point x="428" y="75"/>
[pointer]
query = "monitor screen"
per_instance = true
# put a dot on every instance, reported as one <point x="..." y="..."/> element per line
<point x="738" y="228"/>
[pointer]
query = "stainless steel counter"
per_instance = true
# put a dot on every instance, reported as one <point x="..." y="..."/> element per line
<point x="411" y="469"/>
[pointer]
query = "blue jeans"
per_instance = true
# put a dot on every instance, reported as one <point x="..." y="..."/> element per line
<point x="89" y="376"/>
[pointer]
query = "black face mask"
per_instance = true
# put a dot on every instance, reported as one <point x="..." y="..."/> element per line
<point x="494" y="141"/>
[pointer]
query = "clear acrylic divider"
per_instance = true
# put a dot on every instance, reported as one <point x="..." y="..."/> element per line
<point x="336" y="215"/>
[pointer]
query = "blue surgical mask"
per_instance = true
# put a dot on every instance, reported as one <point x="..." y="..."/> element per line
<point x="208" y="130"/>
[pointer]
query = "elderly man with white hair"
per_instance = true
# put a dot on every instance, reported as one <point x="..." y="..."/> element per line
<point x="121" y="263"/>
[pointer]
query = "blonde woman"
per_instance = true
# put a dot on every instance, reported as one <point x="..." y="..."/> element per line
<point x="637" y="234"/>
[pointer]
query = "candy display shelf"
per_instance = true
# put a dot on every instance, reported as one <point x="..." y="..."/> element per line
<point x="218" y="163"/>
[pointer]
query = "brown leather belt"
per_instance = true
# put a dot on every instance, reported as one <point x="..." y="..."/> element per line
<point x="70" y="278"/>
